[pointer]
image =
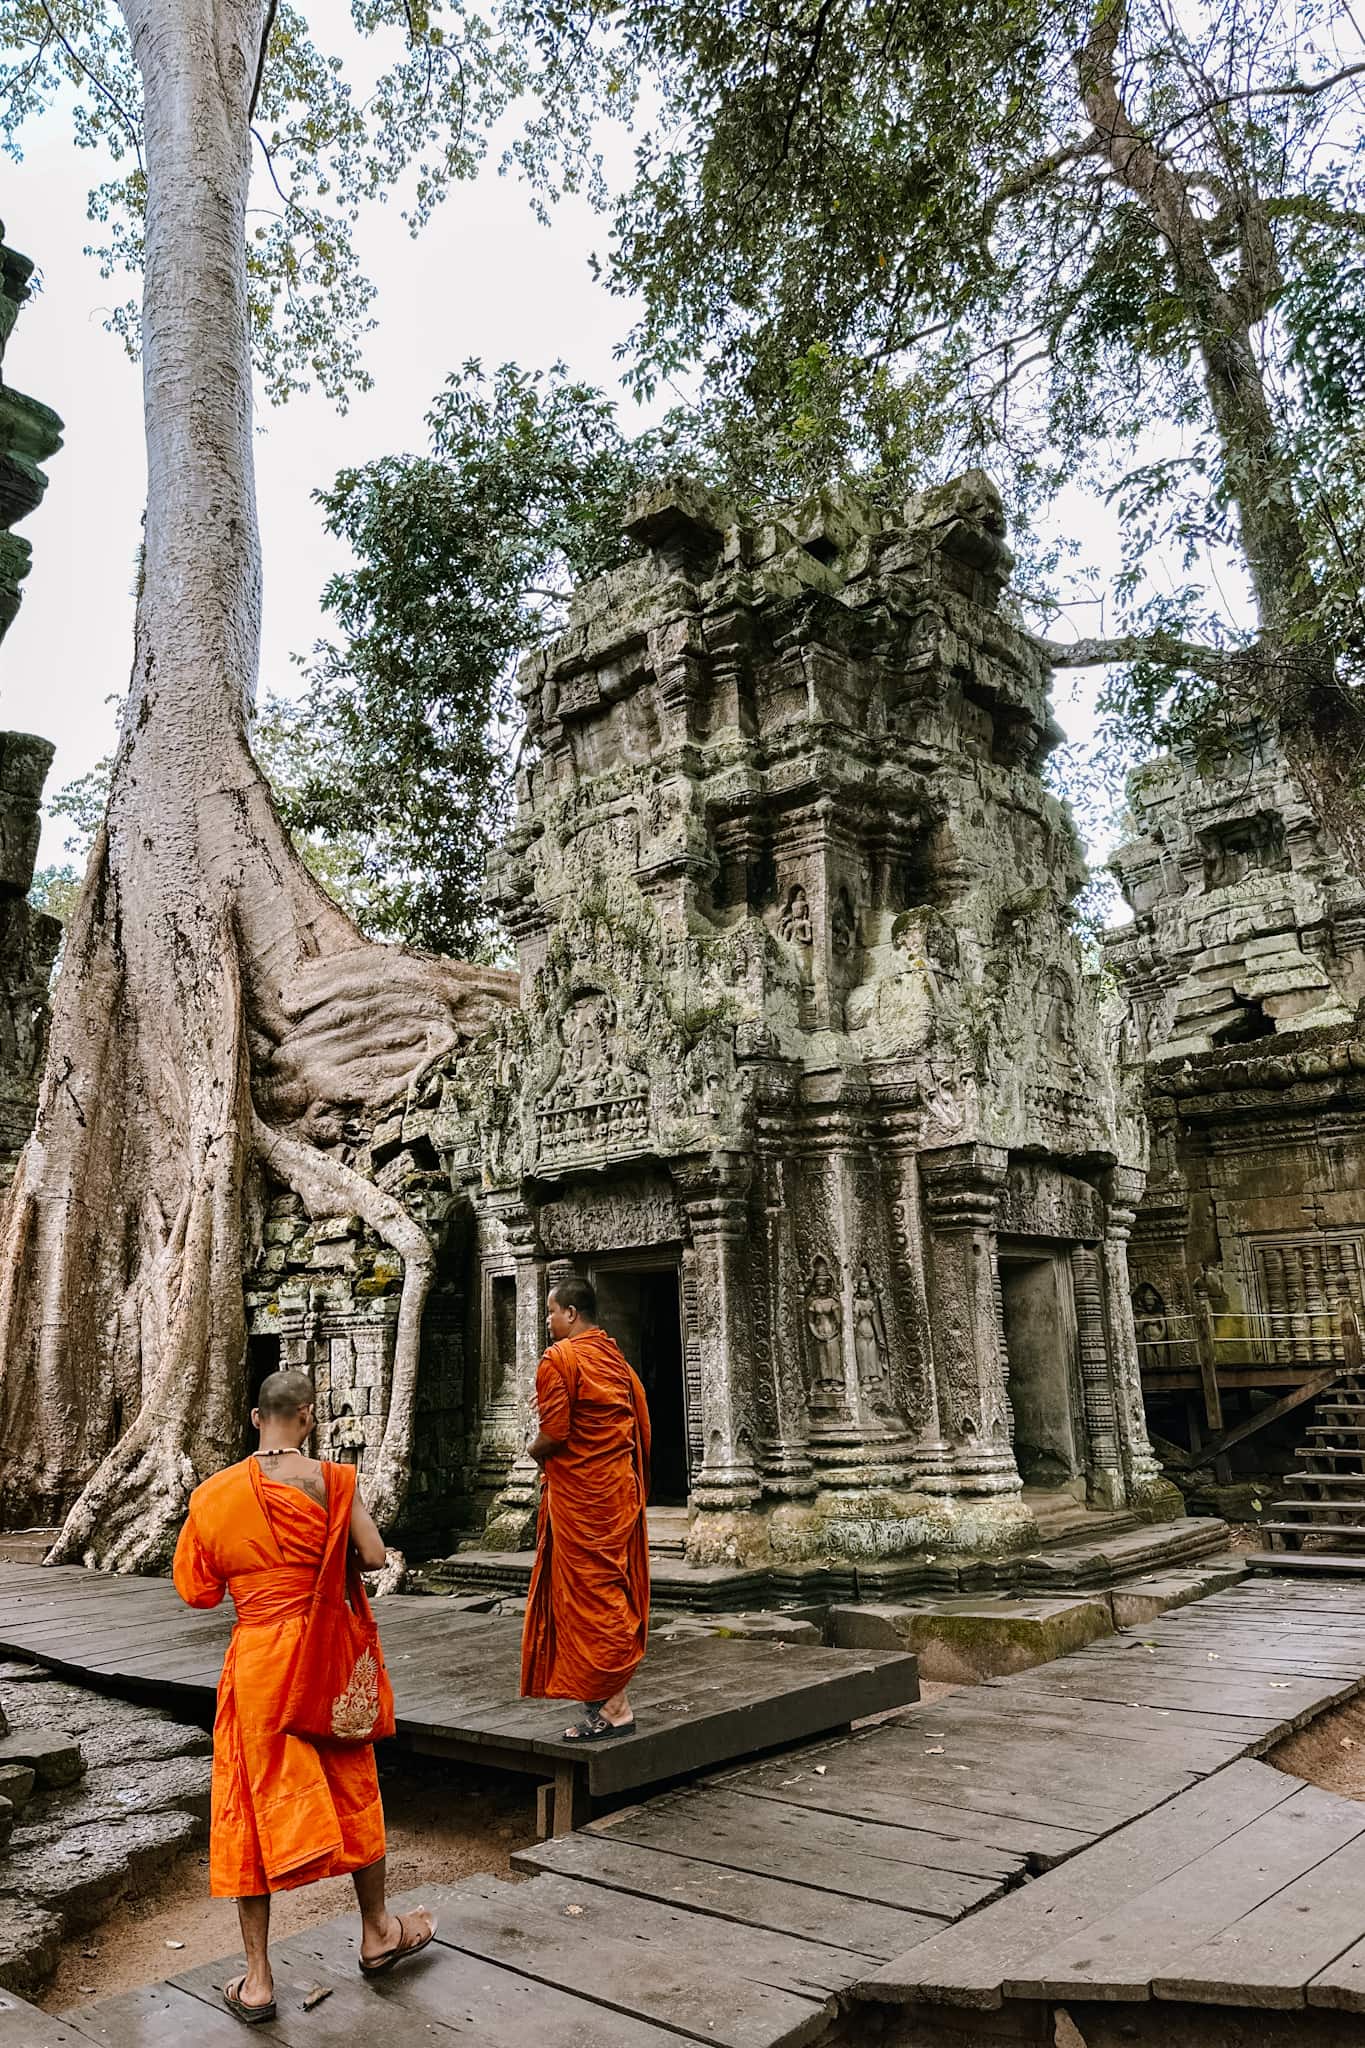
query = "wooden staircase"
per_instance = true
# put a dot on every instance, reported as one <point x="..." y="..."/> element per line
<point x="1325" y="1493"/>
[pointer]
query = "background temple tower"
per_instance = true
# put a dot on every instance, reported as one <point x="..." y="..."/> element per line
<point x="1244" y="974"/>
<point x="805" y="1072"/>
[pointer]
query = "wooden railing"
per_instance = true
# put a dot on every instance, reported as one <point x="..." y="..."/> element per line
<point x="1321" y="1343"/>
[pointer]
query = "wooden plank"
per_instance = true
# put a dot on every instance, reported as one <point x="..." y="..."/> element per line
<point x="857" y="1926"/>
<point x="23" y="2026"/>
<point x="441" y="1998"/>
<point x="827" y="1851"/>
<point x="672" y="1983"/>
<point x="970" y="1964"/>
<point x="884" y="1800"/>
<point x="1118" y="1955"/>
<point x="1032" y="1784"/>
<point x="1270" y="1955"/>
<point x="804" y="1964"/>
<point x="162" y="2016"/>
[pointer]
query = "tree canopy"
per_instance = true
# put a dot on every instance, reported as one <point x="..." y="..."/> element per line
<point x="1118" y="243"/>
<point x="400" y="755"/>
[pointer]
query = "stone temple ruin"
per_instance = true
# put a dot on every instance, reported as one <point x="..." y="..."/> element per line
<point x="29" y="433"/>
<point x="804" y="1074"/>
<point x="1243" y="972"/>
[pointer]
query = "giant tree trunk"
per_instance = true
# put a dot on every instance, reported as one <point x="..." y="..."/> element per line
<point x="215" y="1010"/>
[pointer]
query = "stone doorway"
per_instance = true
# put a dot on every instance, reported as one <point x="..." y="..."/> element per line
<point x="262" y="1358"/>
<point x="640" y="1306"/>
<point x="1039" y="1327"/>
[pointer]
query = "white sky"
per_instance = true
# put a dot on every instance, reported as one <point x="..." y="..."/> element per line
<point x="484" y="279"/>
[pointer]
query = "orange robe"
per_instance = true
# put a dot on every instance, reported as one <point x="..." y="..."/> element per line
<point x="587" y="1614"/>
<point x="284" y="1811"/>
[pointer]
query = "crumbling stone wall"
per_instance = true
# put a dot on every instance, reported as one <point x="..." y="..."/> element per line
<point x="1244" y="976"/>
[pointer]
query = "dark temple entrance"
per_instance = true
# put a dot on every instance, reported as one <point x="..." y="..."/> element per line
<point x="1040" y="1343"/>
<point x="639" y="1307"/>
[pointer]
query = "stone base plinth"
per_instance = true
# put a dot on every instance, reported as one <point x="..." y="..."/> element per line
<point x="868" y="1526"/>
<point x="960" y="1642"/>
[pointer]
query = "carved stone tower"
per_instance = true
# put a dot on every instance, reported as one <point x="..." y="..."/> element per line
<point x="805" y="1073"/>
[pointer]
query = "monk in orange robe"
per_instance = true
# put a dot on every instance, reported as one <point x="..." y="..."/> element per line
<point x="285" y="1811"/>
<point x="587" y="1615"/>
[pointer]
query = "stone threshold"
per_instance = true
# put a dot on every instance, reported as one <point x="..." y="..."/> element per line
<point x="1089" y="1563"/>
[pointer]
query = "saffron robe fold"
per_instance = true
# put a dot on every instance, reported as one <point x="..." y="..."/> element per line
<point x="285" y="1812"/>
<point x="587" y="1612"/>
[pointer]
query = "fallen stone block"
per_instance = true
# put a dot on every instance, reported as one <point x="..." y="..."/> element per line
<point x="81" y="1873"/>
<point x="960" y="1642"/>
<point x="30" y="1946"/>
<point x="49" y="1753"/>
<point x="6" y="1819"/>
<point x="758" y="1627"/>
<point x="16" y="1783"/>
<point x="1139" y="1601"/>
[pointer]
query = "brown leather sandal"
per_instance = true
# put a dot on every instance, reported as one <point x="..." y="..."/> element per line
<point x="249" y="2015"/>
<point x="378" y="1966"/>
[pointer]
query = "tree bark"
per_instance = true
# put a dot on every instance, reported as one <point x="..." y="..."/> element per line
<point x="215" y="1010"/>
<point x="1290" y="681"/>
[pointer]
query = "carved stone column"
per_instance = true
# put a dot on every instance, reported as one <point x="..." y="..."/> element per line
<point x="961" y="1186"/>
<point x="1104" y="1471"/>
<point x="511" y="1522"/>
<point x="712" y="1191"/>
<point x="1146" y="1485"/>
<point x="775" y="1314"/>
<point x="932" y="1457"/>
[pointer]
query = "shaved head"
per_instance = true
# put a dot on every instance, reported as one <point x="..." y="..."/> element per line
<point x="285" y="1393"/>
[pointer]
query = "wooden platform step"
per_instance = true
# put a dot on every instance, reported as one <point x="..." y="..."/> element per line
<point x="1322" y="1564"/>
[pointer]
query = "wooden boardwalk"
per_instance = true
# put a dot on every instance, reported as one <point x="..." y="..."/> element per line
<point x="456" y="1677"/>
<point x="766" y="1907"/>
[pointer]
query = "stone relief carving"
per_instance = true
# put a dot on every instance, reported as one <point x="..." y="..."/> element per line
<point x="795" y="922"/>
<point x="624" y="1216"/>
<point x="843" y="924"/>
<point x="870" y="1349"/>
<point x="824" y="1337"/>
<point x="599" y="1096"/>
<point x="1042" y="1201"/>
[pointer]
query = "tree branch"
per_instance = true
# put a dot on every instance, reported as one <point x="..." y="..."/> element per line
<point x="260" y="58"/>
<point x="1216" y="664"/>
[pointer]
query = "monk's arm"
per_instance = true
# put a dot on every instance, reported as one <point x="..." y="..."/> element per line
<point x="552" y="1408"/>
<point x="197" y="1579"/>
<point x="366" y="1540"/>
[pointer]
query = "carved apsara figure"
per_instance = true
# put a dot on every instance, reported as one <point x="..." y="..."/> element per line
<point x="844" y="924"/>
<point x="795" y="922"/>
<point x="825" y="1337"/>
<point x="870" y="1349"/>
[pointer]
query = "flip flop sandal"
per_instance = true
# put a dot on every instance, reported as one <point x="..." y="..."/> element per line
<point x="597" y="1728"/>
<point x="249" y="2015"/>
<point x="378" y="1966"/>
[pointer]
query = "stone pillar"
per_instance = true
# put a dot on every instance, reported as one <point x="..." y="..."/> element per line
<point x="1104" y="1471"/>
<point x="775" y="1319"/>
<point x="961" y="1185"/>
<point x="1147" y="1487"/>
<point x="511" y="1521"/>
<point x="932" y="1461"/>
<point x="712" y="1191"/>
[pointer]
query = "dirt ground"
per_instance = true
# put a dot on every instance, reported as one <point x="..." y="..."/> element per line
<point x="1330" y="1752"/>
<point x="444" y="1822"/>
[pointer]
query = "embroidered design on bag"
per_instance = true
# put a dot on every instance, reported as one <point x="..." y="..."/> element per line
<point x="355" y="1711"/>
